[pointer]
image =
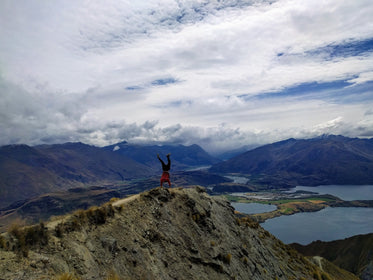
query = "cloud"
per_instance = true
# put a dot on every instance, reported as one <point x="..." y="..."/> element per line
<point x="176" y="71"/>
<point x="362" y="78"/>
<point x="329" y="125"/>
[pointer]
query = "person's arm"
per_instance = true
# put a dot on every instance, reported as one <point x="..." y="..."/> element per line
<point x="160" y="160"/>
<point x="168" y="160"/>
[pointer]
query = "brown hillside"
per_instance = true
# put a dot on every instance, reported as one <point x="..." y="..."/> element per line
<point x="159" y="234"/>
<point x="354" y="254"/>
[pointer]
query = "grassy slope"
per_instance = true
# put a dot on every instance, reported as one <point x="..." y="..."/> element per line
<point x="353" y="254"/>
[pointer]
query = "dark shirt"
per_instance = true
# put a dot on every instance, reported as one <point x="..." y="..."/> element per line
<point x="165" y="167"/>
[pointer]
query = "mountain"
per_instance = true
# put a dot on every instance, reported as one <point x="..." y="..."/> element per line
<point x="159" y="234"/>
<point x="354" y="254"/>
<point x="30" y="171"/>
<point x="41" y="208"/>
<point x="182" y="157"/>
<point x="235" y="152"/>
<point x="318" y="161"/>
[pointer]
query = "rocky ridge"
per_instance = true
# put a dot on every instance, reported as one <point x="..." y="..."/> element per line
<point x="159" y="234"/>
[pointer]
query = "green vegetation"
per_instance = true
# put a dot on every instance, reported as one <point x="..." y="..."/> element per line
<point x="284" y="201"/>
<point x="287" y="211"/>
<point x="234" y="198"/>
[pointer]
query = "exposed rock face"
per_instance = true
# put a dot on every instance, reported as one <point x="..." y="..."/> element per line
<point x="160" y="234"/>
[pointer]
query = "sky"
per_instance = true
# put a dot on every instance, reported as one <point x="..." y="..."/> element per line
<point x="220" y="74"/>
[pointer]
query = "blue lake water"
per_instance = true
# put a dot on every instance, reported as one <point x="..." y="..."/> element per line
<point x="253" y="208"/>
<point x="345" y="192"/>
<point x="326" y="225"/>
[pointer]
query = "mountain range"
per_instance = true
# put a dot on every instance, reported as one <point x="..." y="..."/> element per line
<point x="182" y="157"/>
<point x="26" y="172"/>
<point x="30" y="171"/>
<point x="319" y="161"/>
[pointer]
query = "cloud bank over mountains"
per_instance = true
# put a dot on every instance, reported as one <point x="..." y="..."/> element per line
<point x="217" y="73"/>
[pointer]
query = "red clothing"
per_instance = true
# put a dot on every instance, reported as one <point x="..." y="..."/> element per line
<point x="165" y="178"/>
<point x="165" y="167"/>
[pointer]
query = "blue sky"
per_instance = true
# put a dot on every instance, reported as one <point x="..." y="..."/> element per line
<point x="221" y="74"/>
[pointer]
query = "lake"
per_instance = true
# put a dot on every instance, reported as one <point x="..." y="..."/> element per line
<point x="326" y="225"/>
<point x="345" y="192"/>
<point x="253" y="208"/>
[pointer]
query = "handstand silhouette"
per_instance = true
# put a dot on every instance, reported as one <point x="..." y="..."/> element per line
<point x="165" y="167"/>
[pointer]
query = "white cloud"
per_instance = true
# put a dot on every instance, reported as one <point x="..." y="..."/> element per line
<point x="328" y="125"/>
<point x="362" y="78"/>
<point x="86" y="71"/>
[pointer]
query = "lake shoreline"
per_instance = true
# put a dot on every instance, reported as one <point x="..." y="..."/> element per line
<point x="306" y="215"/>
<point x="329" y="224"/>
<point x="293" y="203"/>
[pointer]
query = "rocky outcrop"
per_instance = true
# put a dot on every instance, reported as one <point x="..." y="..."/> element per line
<point x="159" y="234"/>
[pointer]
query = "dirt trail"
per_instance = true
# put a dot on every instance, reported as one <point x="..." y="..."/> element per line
<point x="318" y="260"/>
<point x="126" y="200"/>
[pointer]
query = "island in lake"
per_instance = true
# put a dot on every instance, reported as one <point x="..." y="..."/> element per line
<point x="288" y="203"/>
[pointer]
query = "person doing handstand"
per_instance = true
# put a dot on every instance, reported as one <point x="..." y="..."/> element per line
<point x="165" y="167"/>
